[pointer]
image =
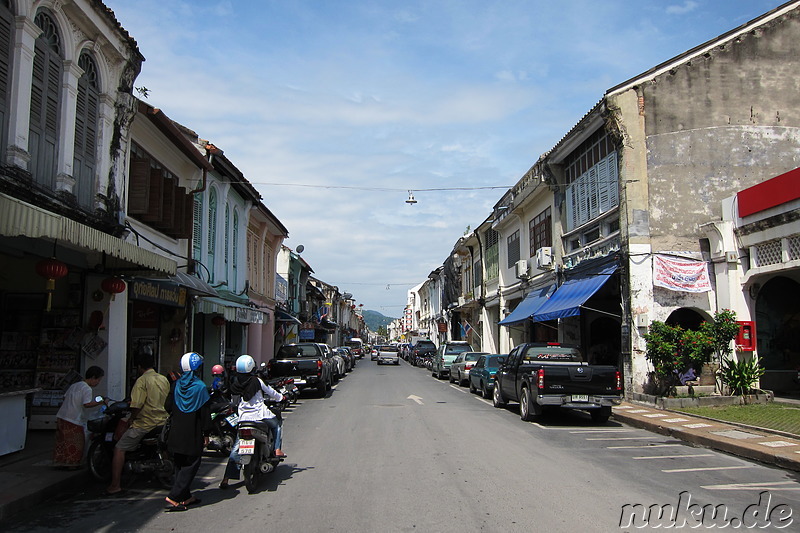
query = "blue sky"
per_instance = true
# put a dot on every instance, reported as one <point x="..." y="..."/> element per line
<point x="352" y="97"/>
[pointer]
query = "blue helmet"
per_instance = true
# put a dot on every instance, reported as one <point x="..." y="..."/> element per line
<point x="191" y="361"/>
<point x="245" y="364"/>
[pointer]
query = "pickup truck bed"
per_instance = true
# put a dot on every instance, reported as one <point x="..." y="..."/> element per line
<point x="539" y="375"/>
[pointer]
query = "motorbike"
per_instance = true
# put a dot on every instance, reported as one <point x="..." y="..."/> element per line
<point x="224" y="419"/>
<point x="150" y="458"/>
<point x="257" y="450"/>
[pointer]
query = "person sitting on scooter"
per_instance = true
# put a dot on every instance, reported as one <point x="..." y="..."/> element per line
<point x="219" y="378"/>
<point x="252" y="408"/>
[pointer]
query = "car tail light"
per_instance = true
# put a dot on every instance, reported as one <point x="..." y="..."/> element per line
<point x="469" y="365"/>
<point x="246" y="433"/>
<point x="540" y="378"/>
<point x="619" y="380"/>
<point x="290" y="381"/>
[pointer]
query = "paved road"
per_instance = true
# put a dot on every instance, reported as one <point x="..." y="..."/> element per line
<point x="393" y="449"/>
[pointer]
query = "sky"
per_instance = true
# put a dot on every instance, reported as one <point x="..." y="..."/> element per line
<point x="335" y="109"/>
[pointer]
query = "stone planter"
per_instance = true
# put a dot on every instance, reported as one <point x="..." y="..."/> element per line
<point x="703" y="401"/>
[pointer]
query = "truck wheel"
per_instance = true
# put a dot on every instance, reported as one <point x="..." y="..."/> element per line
<point x="497" y="397"/>
<point x="600" y="416"/>
<point x="528" y="408"/>
<point x="322" y="388"/>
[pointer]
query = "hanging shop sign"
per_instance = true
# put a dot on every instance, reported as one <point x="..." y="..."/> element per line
<point x="159" y="292"/>
<point x="680" y="274"/>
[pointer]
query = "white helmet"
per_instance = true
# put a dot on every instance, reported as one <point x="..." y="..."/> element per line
<point x="245" y="364"/>
<point x="191" y="361"/>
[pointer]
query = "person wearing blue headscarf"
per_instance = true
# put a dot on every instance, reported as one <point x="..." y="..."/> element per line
<point x="190" y="422"/>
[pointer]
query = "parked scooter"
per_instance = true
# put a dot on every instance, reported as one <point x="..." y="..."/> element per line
<point x="149" y="458"/>
<point x="257" y="450"/>
<point x="224" y="419"/>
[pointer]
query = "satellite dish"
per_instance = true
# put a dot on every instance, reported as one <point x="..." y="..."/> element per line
<point x="300" y="248"/>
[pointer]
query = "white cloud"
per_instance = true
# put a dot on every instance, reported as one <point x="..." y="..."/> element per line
<point x="687" y="7"/>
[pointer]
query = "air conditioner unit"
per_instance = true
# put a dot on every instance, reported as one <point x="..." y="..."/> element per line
<point x="544" y="257"/>
<point x="522" y="268"/>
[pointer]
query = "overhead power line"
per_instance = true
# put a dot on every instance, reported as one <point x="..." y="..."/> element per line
<point x="308" y="185"/>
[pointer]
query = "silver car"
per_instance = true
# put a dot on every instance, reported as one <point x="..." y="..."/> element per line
<point x="461" y="365"/>
<point x="388" y="355"/>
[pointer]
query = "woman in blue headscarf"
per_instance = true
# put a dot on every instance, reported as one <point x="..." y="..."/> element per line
<point x="190" y="422"/>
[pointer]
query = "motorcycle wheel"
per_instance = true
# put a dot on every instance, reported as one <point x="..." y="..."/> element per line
<point x="166" y="476"/>
<point x="250" y="473"/>
<point x="99" y="459"/>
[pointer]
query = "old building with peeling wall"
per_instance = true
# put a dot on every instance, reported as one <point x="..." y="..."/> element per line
<point x="692" y="131"/>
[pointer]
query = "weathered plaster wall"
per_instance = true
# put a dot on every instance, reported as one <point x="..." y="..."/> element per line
<point x="720" y="123"/>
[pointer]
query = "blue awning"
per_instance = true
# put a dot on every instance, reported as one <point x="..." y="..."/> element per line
<point x="569" y="297"/>
<point x="282" y="316"/>
<point x="527" y="307"/>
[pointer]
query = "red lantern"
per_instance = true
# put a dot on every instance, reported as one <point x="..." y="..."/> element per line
<point x="113" y="286"/>
<point x="218" y="321"/>
<point x="51" y="269"/>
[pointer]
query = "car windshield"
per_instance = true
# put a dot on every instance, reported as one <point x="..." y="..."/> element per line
<point x="457" y="348"/>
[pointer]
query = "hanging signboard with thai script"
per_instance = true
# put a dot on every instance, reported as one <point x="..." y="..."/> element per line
<point x="680" y="274"/>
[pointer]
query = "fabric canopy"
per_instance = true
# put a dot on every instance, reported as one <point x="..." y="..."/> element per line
<point x="282" y="316"/>
<point x="527" y="307"/>
<point x="569" y="297"/>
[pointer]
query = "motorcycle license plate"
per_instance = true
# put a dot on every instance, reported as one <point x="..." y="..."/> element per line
<point x="233" y="419"/>
<point x="580" y="397"/>
<point x="247" y="447"/>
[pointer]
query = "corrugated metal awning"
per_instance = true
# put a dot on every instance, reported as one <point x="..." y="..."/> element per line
<point x="232" y="311"/>
<point x="18" y="218"/>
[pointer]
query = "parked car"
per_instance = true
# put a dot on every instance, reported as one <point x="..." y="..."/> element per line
<point x="388" y="354"/>
<point x="373" y="352"/>
<point x="481" y="376"/>
<point x="539" y="375"/>
<point x="447" y="352"/>
<point x="339" y="366"/>
<point x="306" y="362"/>
<point x="349" y="358"/>
<point x="461" y="366"/>
<point x="356" y="346"/>
<point x="422" y="351"/>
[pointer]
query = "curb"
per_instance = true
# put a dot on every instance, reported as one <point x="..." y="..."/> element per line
<point x="770" y="456"/>
<point x="46" y="491"/>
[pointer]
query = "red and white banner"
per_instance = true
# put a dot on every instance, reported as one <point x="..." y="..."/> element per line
<point x="680" y="274"/>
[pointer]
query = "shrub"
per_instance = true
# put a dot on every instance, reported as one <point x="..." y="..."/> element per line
<point x="741" y="377"/>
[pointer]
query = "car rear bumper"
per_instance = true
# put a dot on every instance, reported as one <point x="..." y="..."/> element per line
<point x="567" y="401"/>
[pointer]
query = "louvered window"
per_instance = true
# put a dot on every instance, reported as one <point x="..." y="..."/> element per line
<point x="197" y="227"/>
<point x="45" y="101"/>
<point x="266" y="274"/>
<point x="85" y="153"/>
<point x="227" y="241"/>
<point x="492" y="255"/>
<point x="540" y="231"/>
<point x="593" y="177"/>
<point x="235" y="248"/>
<point x="512" y="247"/>
<point x="212" y="229"/>
<point x="6" y="46"/>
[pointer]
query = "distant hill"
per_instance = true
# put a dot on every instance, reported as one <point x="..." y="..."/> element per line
<point x="374" y="320"/>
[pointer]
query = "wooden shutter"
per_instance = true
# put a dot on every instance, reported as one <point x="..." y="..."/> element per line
<point x="184" y="223"/>
<point x="139" y="186"/>
<point x="155" y="205"/>
<point x="167" y="220"/>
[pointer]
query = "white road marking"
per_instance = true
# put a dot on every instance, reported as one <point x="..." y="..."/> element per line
<point x="643" y="446"/>
<point x="416" y="399"/>
<point x="673" y="456"/>
<point x="778" y="444"/>
<point x="625" y="438"/>
<point x="673" y="420"/>
<point x="601" y="430"/>
<point x="655" y="415"/>
<point x="705" y="469"/>
<point x="695" y="426"/>
<point x="759" y="485"/>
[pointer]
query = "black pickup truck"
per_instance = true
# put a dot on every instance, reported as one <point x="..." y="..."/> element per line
<point x="540" y="375"/>
<point x="307" y="362"/>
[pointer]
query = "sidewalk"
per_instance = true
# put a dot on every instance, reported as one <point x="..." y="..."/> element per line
<point x="763" y="445"/>
<point x="27" y="479"/>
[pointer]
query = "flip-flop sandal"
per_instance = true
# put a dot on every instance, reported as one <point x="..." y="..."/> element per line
<point x="191" y="501"/>
<point x="172" y="506"/>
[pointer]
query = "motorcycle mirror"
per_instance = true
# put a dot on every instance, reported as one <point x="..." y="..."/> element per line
<point x="98" y="398"/>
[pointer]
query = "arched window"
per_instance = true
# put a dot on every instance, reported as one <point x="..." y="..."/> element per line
<point x="197" y="227"/>
<point x="45" y="101"/>
<point x="85" y="157"/>
<point x="235" y="250"/>
<point x="212" y="230"/>
<point x="6" y="47"/>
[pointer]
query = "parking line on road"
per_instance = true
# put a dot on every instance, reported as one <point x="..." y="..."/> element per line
<point x="643" y="446"/>
<point x="705" y="469"/>
<point x="625" y="438"/>
<point x="644" y="457"/>
<point x="759" y="485"/>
